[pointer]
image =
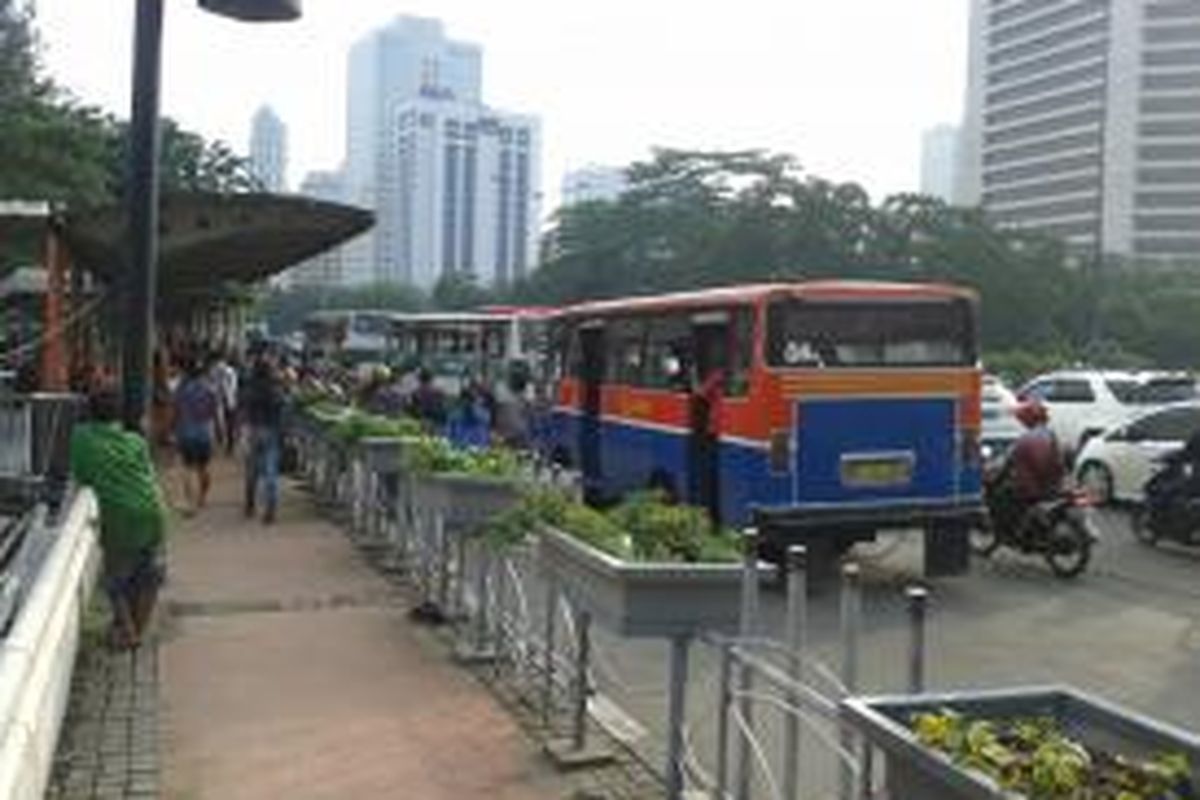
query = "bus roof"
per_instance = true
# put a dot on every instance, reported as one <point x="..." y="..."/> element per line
<point x="749" y="294"/>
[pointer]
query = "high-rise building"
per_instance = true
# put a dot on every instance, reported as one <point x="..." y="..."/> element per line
<point x="465" y="195"/>
<point x="1083" y="120"/>
<point x="593" y="182"/>
<point x="939" y="158"/>
<point x="268" y="150"/>
<point x="454" y="183"/>
<point x="327" y="268"/>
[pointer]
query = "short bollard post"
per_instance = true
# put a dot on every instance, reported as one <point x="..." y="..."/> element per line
<point x="459" y="611"/>
<point x="441" y="552"/>
<point x="574" y="751"/>
<point x="481" y="599"/>
<point x="548" y="654"/>
<point x="918" y="601"/>
<point x="748" y="629"/>
<point x="851" y="611"/>
<point x="582" y="658"/>
<point x="797" y="621"/>
<point x="724" y="697"/>
<point x="677" y="698"/>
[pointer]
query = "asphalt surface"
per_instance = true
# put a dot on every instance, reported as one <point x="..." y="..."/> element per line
<point x="1128" y="630"/>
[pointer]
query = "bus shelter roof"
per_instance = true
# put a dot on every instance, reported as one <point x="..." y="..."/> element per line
<point x="210" y="240"/>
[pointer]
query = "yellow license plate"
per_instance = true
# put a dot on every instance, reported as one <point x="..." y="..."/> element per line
<point x="877" y="472"/>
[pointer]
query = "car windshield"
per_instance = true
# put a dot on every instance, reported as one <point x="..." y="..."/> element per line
<point x="1152" y="392"/>
<point x="804" y="333"/>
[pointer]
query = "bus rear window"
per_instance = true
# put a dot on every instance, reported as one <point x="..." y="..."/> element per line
<point x="804" y="333"/>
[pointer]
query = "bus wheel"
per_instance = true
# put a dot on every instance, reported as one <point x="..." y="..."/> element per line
<point x="661" y="482"/>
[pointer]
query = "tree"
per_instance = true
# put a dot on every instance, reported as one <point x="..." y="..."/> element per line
<point x="694" y="218"/>
<point x="459" y="291"/>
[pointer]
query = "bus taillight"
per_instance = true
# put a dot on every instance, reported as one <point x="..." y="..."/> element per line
<point x="781" y="450"/>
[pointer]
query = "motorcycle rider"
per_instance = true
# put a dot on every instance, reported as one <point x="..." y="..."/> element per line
<point x="1034" y="468"/>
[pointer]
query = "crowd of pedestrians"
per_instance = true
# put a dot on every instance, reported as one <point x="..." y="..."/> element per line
<point x="208" y="403"/>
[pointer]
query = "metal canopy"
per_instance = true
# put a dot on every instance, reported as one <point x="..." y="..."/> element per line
<point x="209" y="240"/>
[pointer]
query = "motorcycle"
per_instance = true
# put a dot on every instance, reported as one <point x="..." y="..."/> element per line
<point x="1057" y="529"/>
<point x="1169" y="512"/>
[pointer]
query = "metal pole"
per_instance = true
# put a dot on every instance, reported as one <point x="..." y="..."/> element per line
<point x="460" y="578"/>
<point x="441" y="542"/>
<point x="142" y="200"/>
<point x="675" y="715"/>
<point x="797" y="621"/>
<point x="748" y="629"/>
<point x="583" y="656"/>
<point x="548" y="655"/>
<point x="481" y="600"/>
<point x="918" y="598"/>
<point x="851" y="610"/>
<point x="725" y="695"/>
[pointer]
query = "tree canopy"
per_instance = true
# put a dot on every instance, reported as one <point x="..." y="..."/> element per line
<point x="52" y="147"/>
<point x="692" y="219"/>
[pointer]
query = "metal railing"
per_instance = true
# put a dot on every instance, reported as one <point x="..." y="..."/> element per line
<point x="767" y="727"/>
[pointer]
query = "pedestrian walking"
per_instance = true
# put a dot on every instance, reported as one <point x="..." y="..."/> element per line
<point x="116" y="465"/>
<point x="263" y="405"/>
<point x="195" y="404"/>
<point x="225" y="380"/>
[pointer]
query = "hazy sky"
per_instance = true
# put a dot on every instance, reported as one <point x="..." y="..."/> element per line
<point x="846" y="85"/>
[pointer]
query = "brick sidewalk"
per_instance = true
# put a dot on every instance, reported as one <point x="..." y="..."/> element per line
<point x="291" y="671"/>
<point x="108" y="749"/>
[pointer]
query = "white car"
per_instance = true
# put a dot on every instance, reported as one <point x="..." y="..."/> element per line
<point x="1082" y="403"/>
<point x="1000" y="425"/>
<point x="1116" y="464"/>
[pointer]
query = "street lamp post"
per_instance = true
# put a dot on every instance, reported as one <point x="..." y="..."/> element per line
<point x="142" y="186"/>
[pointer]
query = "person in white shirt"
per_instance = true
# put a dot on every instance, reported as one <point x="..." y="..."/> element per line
<point x="225" y="380"/>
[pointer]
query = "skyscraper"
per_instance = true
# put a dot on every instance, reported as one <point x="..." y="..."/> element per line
<point x="1083" y="120"/>
<point x="939" y="157"/>
<point x="268" y="150"/>
<point x="454" y="183"/>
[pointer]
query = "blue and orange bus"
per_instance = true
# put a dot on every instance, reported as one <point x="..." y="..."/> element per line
<point x="821" y="411"/>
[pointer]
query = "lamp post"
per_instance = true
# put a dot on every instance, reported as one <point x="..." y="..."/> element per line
<point x="142" y="186"/>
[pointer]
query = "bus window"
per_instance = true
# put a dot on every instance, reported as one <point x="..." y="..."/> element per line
<point x="741" y="354"/>
<point x="845" y="334"/>
<point x="668" y="357"/>
<point x="626" y="352"/>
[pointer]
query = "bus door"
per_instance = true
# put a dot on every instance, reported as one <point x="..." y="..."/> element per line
<point x="591" y="375"/>
<point x="710" y="347"/>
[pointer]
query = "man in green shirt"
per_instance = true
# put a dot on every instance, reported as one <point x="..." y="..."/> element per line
<point x="116" y="465"/>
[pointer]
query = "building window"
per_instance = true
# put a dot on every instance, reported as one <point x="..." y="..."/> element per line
<point x="504" y="216"/>
<point x="468" y="216"/>
<point x="449" y="208"/>
<point x="521" y="217"/>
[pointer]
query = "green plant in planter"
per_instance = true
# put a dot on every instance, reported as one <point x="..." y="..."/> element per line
<point x="359" y="425"/>
<point x="643" y="528"/>
<point x="433" y="454"/>
<point x="1036" y="758"/>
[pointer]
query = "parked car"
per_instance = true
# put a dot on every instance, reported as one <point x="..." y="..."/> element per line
<point x="1000" y="426"/>
<point x="1116" y="464"/>
<point x="1082" y="403"/>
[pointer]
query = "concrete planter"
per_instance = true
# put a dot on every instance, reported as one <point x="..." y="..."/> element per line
<point x="915" y="771"/>
<point x="643" y="599"/>
<point x="464" y="501"/>
<point x="383" y="455"/>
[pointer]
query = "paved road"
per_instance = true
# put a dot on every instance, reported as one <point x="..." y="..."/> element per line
<point x="1129" y="630"/>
